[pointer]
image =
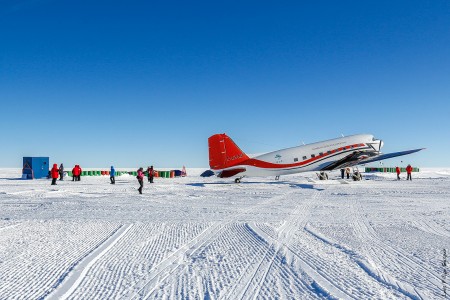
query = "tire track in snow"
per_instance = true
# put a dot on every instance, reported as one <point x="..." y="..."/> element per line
<point x="9" y="226"/>
<point x="374" y="246"/>
<point x="432" y="227"/>
<point x="253" y="280"/>
<point x="321" y="283"/>
<point x="273" y="250"/>
<point x="79" y="271"/>
<point x="169" y="265"/>
<point x="160" y="276"/>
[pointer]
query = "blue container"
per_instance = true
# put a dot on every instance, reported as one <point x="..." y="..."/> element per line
<point x="35" y="167"/>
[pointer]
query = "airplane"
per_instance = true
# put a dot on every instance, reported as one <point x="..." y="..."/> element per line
<point x="227" y="160"/>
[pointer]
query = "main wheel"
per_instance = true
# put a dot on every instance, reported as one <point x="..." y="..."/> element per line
<point x="237" y="180"/>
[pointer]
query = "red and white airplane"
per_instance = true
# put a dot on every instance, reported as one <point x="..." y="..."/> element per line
<point x="226" y="159"/>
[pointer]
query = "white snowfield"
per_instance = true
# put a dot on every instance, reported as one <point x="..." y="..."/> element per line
<point x="209" y="238"/>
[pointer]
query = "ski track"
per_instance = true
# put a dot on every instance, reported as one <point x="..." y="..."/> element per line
<point x="42" y="261"/>
<point x="212" y="249"/>
<point x="272" y="257"/>
<point x="317" y="281"/>
<point x="395" y="260"/>
<point x="78" y="271"/>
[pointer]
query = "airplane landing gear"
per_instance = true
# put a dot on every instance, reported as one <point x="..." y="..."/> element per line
<point x="277" y="177"/>
<point x="237" y="180"/>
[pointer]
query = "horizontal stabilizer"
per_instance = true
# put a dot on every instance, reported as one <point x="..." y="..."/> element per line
<point x="230" y="173"/>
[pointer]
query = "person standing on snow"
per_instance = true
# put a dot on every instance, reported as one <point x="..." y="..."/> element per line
<point x="79" y="172"/>
<point x="76" y="172"/>
<point x="112" y="175"/>
<point x="55" y="173"/>
<point x="397" y="170"/>
<point x="347" y="171"/>
<point x="150" y="174"/>
<point x="342" y="173"/>
<point x="74" y="176"/>
<point x="61" y="172"/>
<point x="408" y="171"/>
<point x="140" y="178"/>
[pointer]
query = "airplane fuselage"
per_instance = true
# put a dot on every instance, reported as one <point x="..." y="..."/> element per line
<point x="310" y="157"/>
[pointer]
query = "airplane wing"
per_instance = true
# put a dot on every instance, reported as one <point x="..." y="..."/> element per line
<point x="358" y="158"/>
<point x="390" y="155"/>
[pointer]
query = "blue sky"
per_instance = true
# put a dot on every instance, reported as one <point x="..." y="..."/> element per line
<point x="134" y="83"/>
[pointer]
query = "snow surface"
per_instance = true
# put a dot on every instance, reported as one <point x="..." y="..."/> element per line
<point x="208" y="238"/>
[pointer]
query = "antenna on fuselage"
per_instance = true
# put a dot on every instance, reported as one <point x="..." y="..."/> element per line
<point x="303" y="143"/>
<point x="342" y="135"/>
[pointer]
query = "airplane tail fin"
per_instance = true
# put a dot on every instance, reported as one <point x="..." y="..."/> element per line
<point x="224" y="153"/>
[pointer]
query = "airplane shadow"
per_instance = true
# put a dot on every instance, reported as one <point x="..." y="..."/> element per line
<point x="306" y="186"/>
<point x="204" y="184"/>
<point x="292" y="185"/>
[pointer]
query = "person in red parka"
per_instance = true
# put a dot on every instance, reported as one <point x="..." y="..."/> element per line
<point x="408" y="171"/>
<point x="55" y="173"/>
<point x="397" y="170"/>
<point x="76" y="173"/>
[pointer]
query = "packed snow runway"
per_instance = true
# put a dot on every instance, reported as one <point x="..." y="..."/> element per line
<point x="208" y="238"/>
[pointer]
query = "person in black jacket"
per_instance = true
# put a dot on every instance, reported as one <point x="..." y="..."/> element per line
<point x="150" y="174"/>
<point x="61" y="172"/>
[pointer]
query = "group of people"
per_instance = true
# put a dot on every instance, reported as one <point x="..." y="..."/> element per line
<point x="409" y="170"/>
<point x="140" y="177"/>
<point x="56" y="173"/>
<point x="356" y="176"/>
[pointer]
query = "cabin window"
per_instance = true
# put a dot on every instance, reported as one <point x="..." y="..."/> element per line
<point x="320" y="153"/>
<point x="329" y="152"/>
<point x="312" y="155"/>
<point x="353" y="146"/>
<point x="304" y="157"/>
<point x="296" y="159"/>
